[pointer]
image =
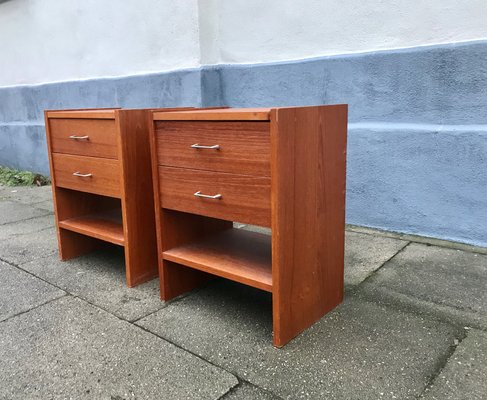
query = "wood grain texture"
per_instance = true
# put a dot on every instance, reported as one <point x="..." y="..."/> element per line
<point x="177" y="279"/>
<point x="74" y="244"/>
<point x="155" y="177"/>
<point x="177" y="229"/>
<point x="308" y="215"/>
<point x="118" y="156"/>
<point x="71" y="204"/>
<point x="157" y="202"/>
<point x="103" y="113"/>
<point x="102" y="141"/>
<point x="244" y="146"/>
<point x="53" y="179"/>
<point x="105" y="179"/>
<point x="228" y="114"/>
<point x="137" y="196"/>
<point x="86" y="113"/>
<point x="244" y="199"/>
<point x="239" y="255"/>
<point x="307" y="211"/>
<point x="174" y="228"/>
<point x="105" y="226"/>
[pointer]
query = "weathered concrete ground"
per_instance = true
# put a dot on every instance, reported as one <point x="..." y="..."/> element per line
<point x="412" y="326"/>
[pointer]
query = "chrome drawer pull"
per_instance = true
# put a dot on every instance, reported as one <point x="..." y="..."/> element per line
<point x="82" y="175"/>
<point x="74" y="137"/>
<point x="200" y="146"/>
<point x="207" y="196"/>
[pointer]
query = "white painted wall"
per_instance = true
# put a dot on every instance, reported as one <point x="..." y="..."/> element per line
<point x="253" y="31"/>
<point x="58" y="40"/>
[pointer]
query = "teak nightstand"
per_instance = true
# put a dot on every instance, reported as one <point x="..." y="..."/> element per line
<point x="102" y="185"/>
<point x="282" y="168"/>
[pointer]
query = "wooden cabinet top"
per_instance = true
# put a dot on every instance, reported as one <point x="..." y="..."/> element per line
<point x="226" y="114"/>
<point x="102" y="113"/>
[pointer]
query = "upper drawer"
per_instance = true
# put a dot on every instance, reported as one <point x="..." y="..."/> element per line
<point x="241" y="147"/>
<point x="87" y="174"/>
<point x="87" y="137"/>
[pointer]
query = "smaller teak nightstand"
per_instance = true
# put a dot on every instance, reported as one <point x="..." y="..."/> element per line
<point x="281" y="168"/>
<point x="102" y="185"/>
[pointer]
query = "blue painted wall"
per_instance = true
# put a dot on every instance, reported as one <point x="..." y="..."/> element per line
<point x="22" y="135"/>
<point x="417" y="154"/>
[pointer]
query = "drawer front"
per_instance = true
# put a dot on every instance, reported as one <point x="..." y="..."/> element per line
<point x="243" y="146"/>
<point x="244" y="198"/>
<point x="86" y="137"/>
<point x="103" y="174"/>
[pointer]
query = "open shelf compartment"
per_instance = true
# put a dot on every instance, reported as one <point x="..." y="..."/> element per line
<point x="106" y="225"/>
<point x="234" y="254"/>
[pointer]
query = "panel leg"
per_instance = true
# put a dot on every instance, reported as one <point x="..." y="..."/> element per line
<point x="178" y="279"/>
<point x="72" y="244"/>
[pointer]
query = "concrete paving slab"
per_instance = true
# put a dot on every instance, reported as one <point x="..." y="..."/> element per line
<point x="47" y="205"/>
<point x="70" y="349"/>
<point x="366" y="253"/>
<point x="246" y="391"/>
<point x="11" y="211"/>
<point x="358" y="351"/>
<point x="20" y="249"/>
<point x="464" y="376"/>
<point x="418" y="239"/>
<point x="26" y="194"/>
<point x="99" y="278"/>
<point x="20" y="291"/>
<point x="444" y="281"/>
<point x="31" y="225"/>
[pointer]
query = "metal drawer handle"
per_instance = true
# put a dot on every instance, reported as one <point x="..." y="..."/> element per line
<point x="207" y="196"/>
<point x="75" y="137"/>
<point x="77" y="173"/>
<point x="200" y="146"/>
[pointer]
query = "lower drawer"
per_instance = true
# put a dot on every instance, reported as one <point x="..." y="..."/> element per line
<point x="241" y="198"/>
<point x="87" y="174"/>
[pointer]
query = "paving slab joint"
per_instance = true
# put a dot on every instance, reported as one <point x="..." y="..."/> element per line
<point x="172" y="301"/>
<point x="188" y="351"/>
<point x="15" y="235"/>
<point x="427" y="240"/>
<point x="384" y="264"/>
<point x="407" y="304"/>
<point x="65" y="294"/>
<point x="231" y="390"/>
<point x="27" y="219"/>
<point x="442" y="362"/>
<point x="241" y="383"/>
<point x="19" y="267"/>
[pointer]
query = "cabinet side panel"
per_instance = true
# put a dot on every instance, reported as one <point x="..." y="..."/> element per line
<point x="137" y="196"/>
<point x="308" y="210"/>
<point x="157" y="202"/>
<point x="53" y="183"/>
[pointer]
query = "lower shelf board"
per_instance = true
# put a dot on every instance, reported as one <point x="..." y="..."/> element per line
<point x="105" y="226"/>
<point x="235" y="254"/>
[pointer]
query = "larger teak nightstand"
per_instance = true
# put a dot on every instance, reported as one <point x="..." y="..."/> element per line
<point x="282" y="168"/>
<point x="102" y="185"/>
